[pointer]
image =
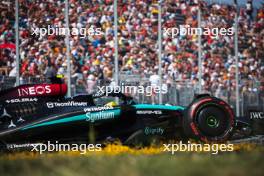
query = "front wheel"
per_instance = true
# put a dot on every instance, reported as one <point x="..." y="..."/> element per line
<point x="209" y="119"/>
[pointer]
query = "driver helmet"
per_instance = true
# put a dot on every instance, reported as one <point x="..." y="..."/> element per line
<point x="111" y="104"/>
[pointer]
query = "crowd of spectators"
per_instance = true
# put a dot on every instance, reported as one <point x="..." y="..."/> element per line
<point x="92" y="57"/>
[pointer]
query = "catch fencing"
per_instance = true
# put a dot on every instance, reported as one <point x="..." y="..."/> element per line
<point x="178" y="92"/>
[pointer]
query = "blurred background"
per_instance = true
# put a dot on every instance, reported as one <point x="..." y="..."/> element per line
<point x="184" y="65"/>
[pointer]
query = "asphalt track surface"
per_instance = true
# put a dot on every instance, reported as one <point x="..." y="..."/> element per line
<point x="258" y="139"/>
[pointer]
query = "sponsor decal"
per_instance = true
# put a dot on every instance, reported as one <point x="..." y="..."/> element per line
<point x="149" y="112"/>
<point x="34" y="90"/>
<point x="194" y="129"/>
<point x="65" y="104"/>
<point x="92" y="117"/>
<point x="5" y="114"/>
<point x="98" y="94"/>
<point x="18" y="146"/>
<point x="98" y="108"/>
<point x="256" y="115"/>
<point x="153" y="131"/>
<point x="21" y="100"/>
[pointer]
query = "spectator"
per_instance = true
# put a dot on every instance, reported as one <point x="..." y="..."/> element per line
<point x="92" y="57"/>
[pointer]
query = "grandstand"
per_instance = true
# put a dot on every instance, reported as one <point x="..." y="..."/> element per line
<point x="92" y="57"/>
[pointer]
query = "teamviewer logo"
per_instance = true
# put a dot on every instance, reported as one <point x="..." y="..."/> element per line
<point x="50" y="105"/>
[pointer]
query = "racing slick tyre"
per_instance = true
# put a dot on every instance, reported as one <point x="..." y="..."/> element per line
<point x="208" y="119"/>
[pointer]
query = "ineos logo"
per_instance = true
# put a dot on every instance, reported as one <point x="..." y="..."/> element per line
<point x="34" y="90"/>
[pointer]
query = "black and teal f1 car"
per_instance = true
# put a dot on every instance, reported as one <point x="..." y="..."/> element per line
<point x="38" y="113"/>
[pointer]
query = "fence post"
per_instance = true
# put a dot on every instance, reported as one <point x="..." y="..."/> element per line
<point x="67" y="40"/>
<point x="236" y="58"/>
<point x="160" y="50"/>
<point x="17" y="47"/>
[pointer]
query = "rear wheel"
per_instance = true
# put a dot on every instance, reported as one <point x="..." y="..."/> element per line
<point x="209" y="119"/>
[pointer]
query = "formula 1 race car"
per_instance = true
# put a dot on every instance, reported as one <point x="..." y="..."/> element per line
<point x="40" y="112"/>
